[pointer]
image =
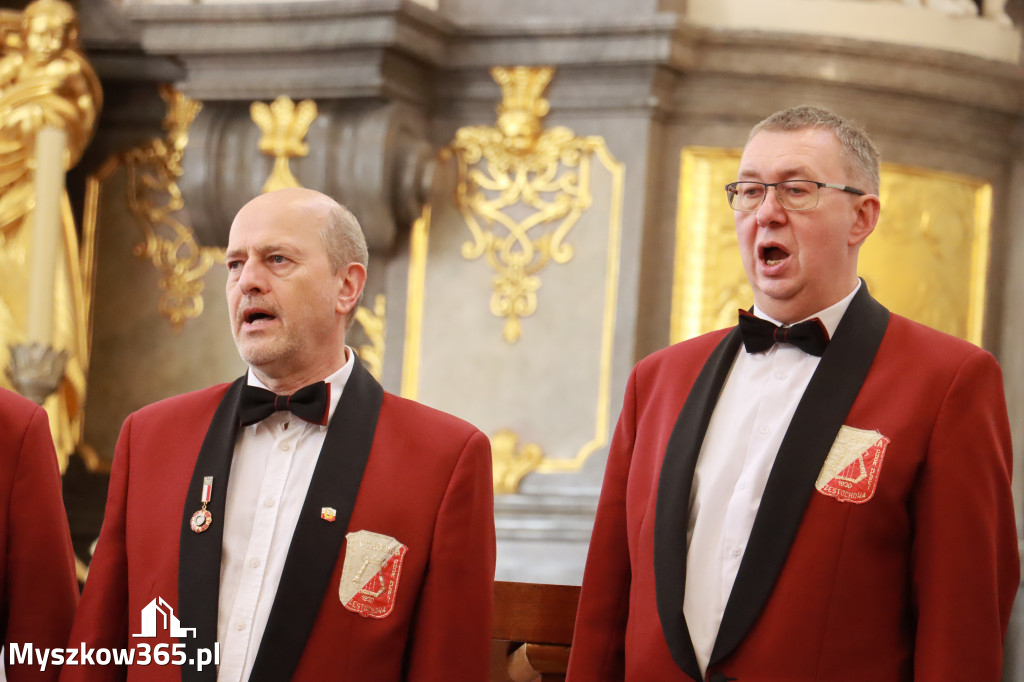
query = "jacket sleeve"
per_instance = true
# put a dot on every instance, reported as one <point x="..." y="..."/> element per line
<point x="41" y="589"/>
<point x="964" y="558"/>
<point x="453" y="616"/>
<point x="102" y="618"/>
<point x="598" y="646"/>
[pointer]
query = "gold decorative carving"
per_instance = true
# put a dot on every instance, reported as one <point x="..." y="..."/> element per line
<point x="45" y="81"/>
<point x="515" y="179"/>
<point x="511" y="464"/>
<point x="155" y="199"/>
<point x="284" y="126"/>
<point x="374" y="326"/>
<point x="926" y="260"/>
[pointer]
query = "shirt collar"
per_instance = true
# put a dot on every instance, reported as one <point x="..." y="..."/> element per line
<point x="830" y="316"/>
<point x="337" y="380"/>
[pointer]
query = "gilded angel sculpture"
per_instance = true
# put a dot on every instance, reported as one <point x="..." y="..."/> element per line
<point x="44" y="81"/>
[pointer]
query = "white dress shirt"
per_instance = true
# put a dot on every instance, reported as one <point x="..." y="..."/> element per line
<point x="746" y="429"/>
<point x="271" y="469"/>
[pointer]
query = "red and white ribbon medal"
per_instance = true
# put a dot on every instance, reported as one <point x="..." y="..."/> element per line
<point x="201" y="519"/>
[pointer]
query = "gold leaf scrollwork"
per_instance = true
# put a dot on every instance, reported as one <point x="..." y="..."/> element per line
<point x="514" y="179"/>
<point x="153" y="171"/>
<point x="284" y="126"/>
<point x="374" y="326"/>
<point x="510" y="462"/>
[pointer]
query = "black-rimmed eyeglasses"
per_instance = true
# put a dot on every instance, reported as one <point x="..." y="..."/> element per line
<point x="793" y="195"/>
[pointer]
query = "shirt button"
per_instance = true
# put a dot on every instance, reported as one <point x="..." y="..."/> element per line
<point x="764" y="430"/>
<point x="239" y="626"/>
<point x="781" y="376"/>
<point x="285" y="446"/>
<point x="269" y="502"/>
<point x="254" y="562"/>
<point x="741" y="486"/>
<point x="735" y="551"/>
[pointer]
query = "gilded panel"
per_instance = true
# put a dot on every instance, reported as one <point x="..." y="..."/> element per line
<point x="927" y="259"/>
<point x="521" y="190"/>
<point x="542" y="390"/>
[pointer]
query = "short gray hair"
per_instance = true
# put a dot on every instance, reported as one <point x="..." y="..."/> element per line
<point x="344" y="242"/>
<point x="857" y="151"/>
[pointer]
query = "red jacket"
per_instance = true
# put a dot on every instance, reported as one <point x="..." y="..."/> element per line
<point x="427" y="483"/>
<point x="915" y="583"/>
<point x="37" y="564"/>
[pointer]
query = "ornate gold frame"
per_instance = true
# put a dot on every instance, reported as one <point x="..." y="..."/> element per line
<point x="523" y="460"/>
<point x="519" y="165"/>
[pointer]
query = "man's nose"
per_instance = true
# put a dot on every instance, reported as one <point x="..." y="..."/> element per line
<point x="771" y="211"/>
<point x="252" y="277"/>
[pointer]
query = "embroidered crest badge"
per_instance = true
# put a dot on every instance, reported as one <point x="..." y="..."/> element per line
<point x="851" y="470"/>
<point x="369" y="576"/>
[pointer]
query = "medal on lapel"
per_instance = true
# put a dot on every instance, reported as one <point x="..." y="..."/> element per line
<point x="201" y="519"/>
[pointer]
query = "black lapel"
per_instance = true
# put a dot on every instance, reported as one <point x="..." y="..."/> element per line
<point x="316" y="544"/>
<point x="199" y="553"/>
<point x="673" y="504"/>
<point x="818" y="417"/>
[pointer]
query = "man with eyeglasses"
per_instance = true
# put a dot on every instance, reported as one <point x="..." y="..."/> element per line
<point x="819" y="493"/>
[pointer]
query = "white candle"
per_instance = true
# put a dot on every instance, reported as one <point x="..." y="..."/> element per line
<point x="46" y="233"/>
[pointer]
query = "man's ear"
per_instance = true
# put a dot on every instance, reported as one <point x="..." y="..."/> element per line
<point x="353" y="279"/>
<point x="865" y="219"/>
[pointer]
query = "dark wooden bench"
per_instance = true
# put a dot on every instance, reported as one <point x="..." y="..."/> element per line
<point x="532" y="632"/>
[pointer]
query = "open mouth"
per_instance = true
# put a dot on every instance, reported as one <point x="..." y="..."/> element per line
<point x="257" y="316"/>
<point x="773" y="255"/>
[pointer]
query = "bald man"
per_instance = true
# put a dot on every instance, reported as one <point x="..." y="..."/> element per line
<point x="300" y="523"/>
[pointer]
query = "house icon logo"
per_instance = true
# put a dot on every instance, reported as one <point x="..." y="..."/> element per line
<point x="160" y="610"/>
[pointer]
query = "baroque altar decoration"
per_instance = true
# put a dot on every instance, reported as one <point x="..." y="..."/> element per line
<point x="45" y="83"/>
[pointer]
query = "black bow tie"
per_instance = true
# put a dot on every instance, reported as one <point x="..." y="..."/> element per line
<point x="309" y="403"/>
<point x="759" y="334"/>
